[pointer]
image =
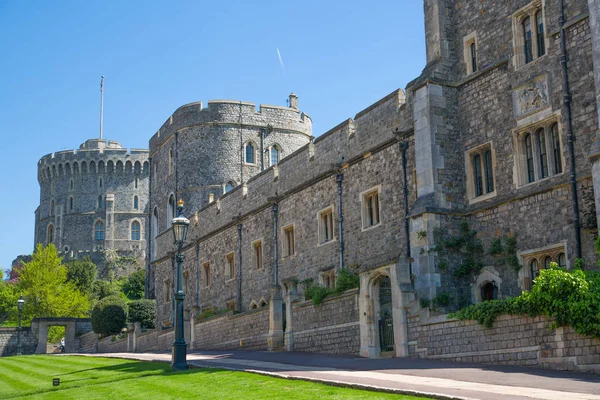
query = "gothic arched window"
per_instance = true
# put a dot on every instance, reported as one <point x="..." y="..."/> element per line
<point x="250" y="153"/>
<point x="274" y="155"/>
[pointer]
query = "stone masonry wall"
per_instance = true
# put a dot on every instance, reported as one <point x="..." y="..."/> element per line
<point x="110" y="345"/>
<point x="513" y="340"/>
<point x="8" y="341"/>
<point x="331" y="327"/>
<point x="247" y="331"/>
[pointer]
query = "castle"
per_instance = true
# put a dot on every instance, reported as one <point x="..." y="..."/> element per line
<point x="94" y="200"/>
<point x="457" y="190"/>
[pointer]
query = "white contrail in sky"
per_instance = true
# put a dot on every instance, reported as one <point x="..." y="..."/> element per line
<point x="281" y="63"/>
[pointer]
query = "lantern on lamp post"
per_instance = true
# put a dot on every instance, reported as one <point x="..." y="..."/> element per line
<point x="180" y="229"/>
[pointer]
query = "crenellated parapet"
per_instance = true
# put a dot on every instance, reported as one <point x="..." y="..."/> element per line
<point x="95" y="156"/>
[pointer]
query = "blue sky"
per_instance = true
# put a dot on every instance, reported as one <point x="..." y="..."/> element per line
<point x="339" y="57"/>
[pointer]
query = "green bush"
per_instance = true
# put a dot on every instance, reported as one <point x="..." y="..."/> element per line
<point x="143" y="311"/>
<point x="134" y="285"/>
<point x="345" y="280"/>
<point x="211" y="312"/>
<point x="318" y="293"/>
<point x="109" y="315"/>
<point x="569" y="297"/>
<point x="102" y="289"/>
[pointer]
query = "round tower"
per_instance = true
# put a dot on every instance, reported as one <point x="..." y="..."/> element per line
<point x="94" y="200"/>
<point x="199" y="154"/>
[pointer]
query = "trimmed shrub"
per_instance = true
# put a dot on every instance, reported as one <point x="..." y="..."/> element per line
<point x="109" y="315"/>
<point x="143" y="311"/>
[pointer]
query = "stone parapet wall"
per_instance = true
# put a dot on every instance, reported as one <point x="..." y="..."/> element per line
<point x="242" y="331"/>
<point x="110" y="345"/>
<point x="331" y="327"/>
<point x="88" y="343"/>
<point x="9" y="338"/>
<point x="513" y="340"/>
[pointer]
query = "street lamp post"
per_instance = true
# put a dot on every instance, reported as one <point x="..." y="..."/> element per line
<point x="20" y="304"/>
<point x="180" y="229"/>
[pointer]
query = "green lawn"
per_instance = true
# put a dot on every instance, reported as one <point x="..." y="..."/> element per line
<point x="30" y="377"/>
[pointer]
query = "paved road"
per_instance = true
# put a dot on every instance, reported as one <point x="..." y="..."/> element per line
<point x="441" y="379"/>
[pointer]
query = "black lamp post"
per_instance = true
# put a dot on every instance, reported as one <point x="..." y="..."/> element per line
<point x="180" y="229"/>
<point x="20" y="304"/>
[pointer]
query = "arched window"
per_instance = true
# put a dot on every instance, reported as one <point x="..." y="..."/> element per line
<point x="562" y="260"/>
<point x="556" y="150"/>
<point x="489" y="291"/>
<point x="100" y="183"/>
<point x="99" y="230"/>
<point x="228" y="187"/>
<point x="528" y="40"/>
<point x="529" y="155"/>
<point x="541" y="136"/>
<point x="52" y="207"/>
<point x="136" y="183"/>
<point x="50" y="234"/>
<point x="473" y="49"/>
<point x="70" y="204"/>
<point x="541" y="44"/>
<point x="533" y="266"/>
<point x="171" y="161"/>
<point x="250" y="157"/>
<point x="170" y="210"/>
<point x="547" y="261"/>
<point x="477" y="176"/>
<point x="100" y="201"/>
<point x="489" y="171"/>
<point x="71" y="185"/>
<point x="274" y="155"/>
<point x="136" y="203"/>
<point x="135" y="230"/>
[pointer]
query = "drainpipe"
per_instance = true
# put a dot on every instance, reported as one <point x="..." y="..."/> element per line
<point x="564" y="58"/>
<point x="403" y="147"/>
<point x="340" y="178"/>
<point x="239" y="270"/>
<point x="262" y="150"/>
<point x="275" y="246"/>
<point x="197" y="274"/>
<point x="149" y="237"/>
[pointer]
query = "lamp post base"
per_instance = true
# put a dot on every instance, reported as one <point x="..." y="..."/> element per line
<point x="178" y="359"/>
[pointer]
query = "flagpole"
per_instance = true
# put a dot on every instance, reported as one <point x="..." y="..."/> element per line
<point x="101" y="104"/>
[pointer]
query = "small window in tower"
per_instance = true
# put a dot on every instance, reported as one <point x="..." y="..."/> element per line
<point x="70" y="204"/>
<point x="250" y="153"/>
<point x="135" y="230"/>
<point x="230" y="265"/>
<point x="136" y="203"/>
<point x="50" y="234"/>
<point x="100" y="201"/>
<point x="99" y="230"/>
<point x="370" y="208"/>
<point x="274" y="155"/>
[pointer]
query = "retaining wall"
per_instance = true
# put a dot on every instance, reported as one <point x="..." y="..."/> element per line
<point x="8" y="341"/>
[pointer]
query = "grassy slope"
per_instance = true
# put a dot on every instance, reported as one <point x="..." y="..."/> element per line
<point x="81" y="378"/>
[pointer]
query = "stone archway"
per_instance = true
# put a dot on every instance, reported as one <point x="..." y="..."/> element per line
<point x="73" y="326"/>
<point x="378" y="310"/>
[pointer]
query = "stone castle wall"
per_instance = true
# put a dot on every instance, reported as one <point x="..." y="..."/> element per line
<point x="513" y="340"/>
<point x="9" y="339"/>
<point x="364" y="147"/>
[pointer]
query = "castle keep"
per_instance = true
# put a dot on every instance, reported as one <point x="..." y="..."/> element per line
<point x="94" y="199"/>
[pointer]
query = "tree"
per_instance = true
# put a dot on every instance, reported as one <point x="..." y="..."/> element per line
<point x="8" y="302"/>
<point x="109" y="315"/>
<point x="83" y="274"/>
<point x="46" y="290"/>
<point x="104" y="289"/>
<point x="143" y="311"/>
<point x="134" y="285"/>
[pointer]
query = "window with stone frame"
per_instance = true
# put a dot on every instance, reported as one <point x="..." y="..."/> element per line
<point x="274" y="155"/>
<point x="470" y="52"/>
<point x="250" y="153"/>
<point x="230" y="265"/>
<point x="529" y="34"/>
<point x="325" y="223"/>
<point x="136" y="202"/>
<point x="371" y="208"/>
<point x="50" y="234"/>
<point x="99" y="230"/>
<point x="289" y="245"/>
<point x="136" y="230"/>
<point x="170" y="210"/>
<point x="536" y="260"/>
<point x="538" y="152"/>
<point x="167" y="291"/>
<point x="100" y="202"/>
<point x="71" y="203"/>
<point x="171" y="162"/>
<point x="257" y="254"/>
<point x="328" y="278"/>
<point x="480" y="164"/>
<point x="206" y="271"/>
